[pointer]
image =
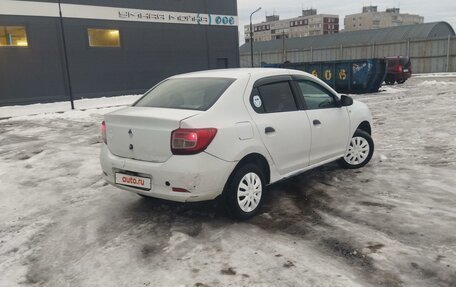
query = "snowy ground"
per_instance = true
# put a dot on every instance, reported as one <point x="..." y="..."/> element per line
<point x="392" y="223"/>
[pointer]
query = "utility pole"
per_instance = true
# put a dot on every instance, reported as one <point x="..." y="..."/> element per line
<point x="251" y="35"/>
<point x="65" y="53"/>
<point x="448" y="54"/>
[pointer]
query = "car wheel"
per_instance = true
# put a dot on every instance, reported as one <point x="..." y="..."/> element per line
<point x="360" y="150"/>
<point x="389" y="82"/>
<point x="244" y="192"/>
<point x="401" y="81"/>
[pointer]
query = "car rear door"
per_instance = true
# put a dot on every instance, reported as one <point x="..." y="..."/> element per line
<point x="284" y="128"/>
<point x="329" y="121"/>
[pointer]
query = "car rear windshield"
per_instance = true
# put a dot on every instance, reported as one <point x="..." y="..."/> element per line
<point x="393" y="62"/>
<point x="404" y="62"/>
<point x="186" y="93"/>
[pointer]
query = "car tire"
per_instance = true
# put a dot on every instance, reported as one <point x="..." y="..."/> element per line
<point x="244" y="192"/>
<point x="401" y="81"/>
<point x="359" y="152"/>
<point x="389" y="82"/>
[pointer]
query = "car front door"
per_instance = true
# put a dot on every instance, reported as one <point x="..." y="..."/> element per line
<point x="329" y="121"/>
<point x="284" y="128"/>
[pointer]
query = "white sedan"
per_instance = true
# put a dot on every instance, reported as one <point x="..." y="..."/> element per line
<point x="229" y="133"/>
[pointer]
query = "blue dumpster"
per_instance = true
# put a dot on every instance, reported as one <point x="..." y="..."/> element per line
<point x="348" y="76"/>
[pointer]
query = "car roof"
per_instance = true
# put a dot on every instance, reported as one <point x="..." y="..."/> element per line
<point x="252" y="73"/>
<point x="397" y="57"/>
<point x="239" y="73"/>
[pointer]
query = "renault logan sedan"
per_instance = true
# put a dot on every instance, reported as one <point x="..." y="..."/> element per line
<point x="229" y="133"/>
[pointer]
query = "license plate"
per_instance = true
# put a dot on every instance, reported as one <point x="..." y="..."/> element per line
<point x="133" y="181"/>
<point x="405" y="70"/>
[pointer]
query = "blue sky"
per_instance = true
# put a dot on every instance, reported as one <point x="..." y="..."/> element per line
<point x="438" y="10"/>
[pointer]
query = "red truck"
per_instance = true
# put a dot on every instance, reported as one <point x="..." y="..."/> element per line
<point x="399" y="70"/>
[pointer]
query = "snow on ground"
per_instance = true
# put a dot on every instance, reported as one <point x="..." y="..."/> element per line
<point x="392" y="223"/>
<point x="61" y="107"/>
<point x="435" y="75"/>
<point x="434" y="83"/>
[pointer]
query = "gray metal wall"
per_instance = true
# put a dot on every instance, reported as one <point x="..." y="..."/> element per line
<point x="35" y="73"/>
<point x="149" y="52"/>
<point x="428" y="55"/>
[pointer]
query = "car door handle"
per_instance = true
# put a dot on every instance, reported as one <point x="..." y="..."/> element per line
<point x="316" y="122"/>
<point x="269" y="130"/>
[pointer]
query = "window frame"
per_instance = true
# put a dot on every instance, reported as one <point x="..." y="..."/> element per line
<point x="270" y="81"/>
<point x="25" y="26"/>
<point x="297" y="79"/>
<point x="87" y="28"/>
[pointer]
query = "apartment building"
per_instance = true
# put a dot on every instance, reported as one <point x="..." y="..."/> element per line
<point x="371" y="18"/>
<point x="308" y="24"/>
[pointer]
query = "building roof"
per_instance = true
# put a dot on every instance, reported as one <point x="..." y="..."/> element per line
<point x="383" y="35"/>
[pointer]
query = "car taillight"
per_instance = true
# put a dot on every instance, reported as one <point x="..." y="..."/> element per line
<point x="399" y="68"/>
<point x="103" y="132"/>
<point x="191" y="141"/>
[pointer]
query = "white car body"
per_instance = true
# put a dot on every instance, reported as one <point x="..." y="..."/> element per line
<point x="296" y="145"/>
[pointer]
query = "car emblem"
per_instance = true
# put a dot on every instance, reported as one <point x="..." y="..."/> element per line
<point x="130" y="132"/>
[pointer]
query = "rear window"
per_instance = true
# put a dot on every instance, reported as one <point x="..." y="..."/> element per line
<point x="186" y="93"/>
<point x="392" y="63"/>
<point x="404" y="61"/>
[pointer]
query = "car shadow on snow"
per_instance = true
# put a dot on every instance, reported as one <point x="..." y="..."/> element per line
<point x="291" y="200"/>
<point x="286" y="204"/>
<point x="292" y="205"/>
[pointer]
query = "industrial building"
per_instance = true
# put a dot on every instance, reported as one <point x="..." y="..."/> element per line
<point x="52" y="49"/>
<point x="308" y="24"/>
<point x="431" y="47"/>
<point x="371" y="18"/>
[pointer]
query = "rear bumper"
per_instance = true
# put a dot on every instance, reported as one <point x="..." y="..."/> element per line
<point x="203" y="175"/>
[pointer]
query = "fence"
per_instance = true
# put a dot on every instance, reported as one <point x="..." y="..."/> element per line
<point x="427" y="55"/>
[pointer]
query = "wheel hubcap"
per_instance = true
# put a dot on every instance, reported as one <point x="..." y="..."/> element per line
<point x="249" y="192"/>
<point x="357" y="151"/>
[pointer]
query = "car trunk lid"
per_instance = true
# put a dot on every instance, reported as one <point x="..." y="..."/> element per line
<point x="143" y="133"/>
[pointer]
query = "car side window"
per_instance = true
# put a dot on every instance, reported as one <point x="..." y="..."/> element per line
<point x="275" y="98"/>
<point x="316" y="97"/>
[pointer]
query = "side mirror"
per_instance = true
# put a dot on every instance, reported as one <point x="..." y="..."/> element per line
<point x="346" y="101"/>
